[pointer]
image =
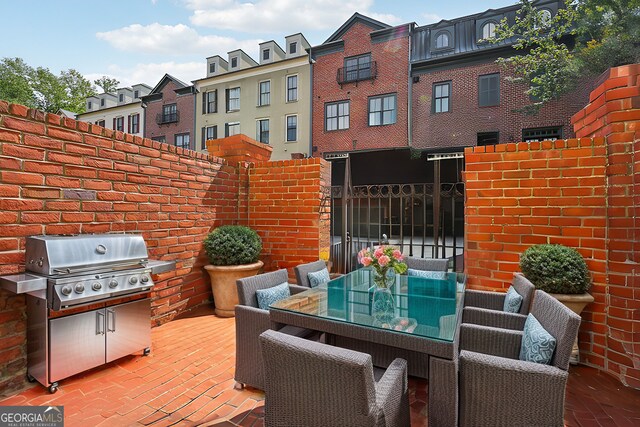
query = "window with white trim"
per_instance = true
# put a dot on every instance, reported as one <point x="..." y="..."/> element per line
<point x="233" y="99"/>
<point x="262" y="130"/>
<point x="118" y="123"/>
<point x="134" y="123"/>
<point x="336" y="115"/>
<point x="231" y="129"/>
<point x="442" y="40"/>
<point x="382" y="110"/>
<point x="265" y="93"/>
<point x="208" y="132"/>
<point x="182" y="140"/>
<point x="292" y="128"/>
<point x="292" y="88"/>
<point x="210" y="102"/>
<point x="489" y="30"/>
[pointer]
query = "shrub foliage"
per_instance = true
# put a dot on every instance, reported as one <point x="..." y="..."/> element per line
<point x="555" y="269"/>
<point x="233" y="245"/>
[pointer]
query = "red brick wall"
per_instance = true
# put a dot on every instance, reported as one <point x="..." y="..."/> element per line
<point x="580" y="192"/>
<point x="239" y="148"/>
<point x="288" y="202"/>
<point x="392" y="59"/>
<point x="59" y="176"/>
<point x="614" y="113"/>
<point x="460" y="126"/>
<point x="185" y="105"/>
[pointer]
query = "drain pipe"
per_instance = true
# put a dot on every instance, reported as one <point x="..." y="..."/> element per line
<point x="409" y="92"/>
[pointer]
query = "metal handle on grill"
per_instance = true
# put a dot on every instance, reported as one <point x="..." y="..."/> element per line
<point x="99" y="323"/>
<point x="113" y="320"/>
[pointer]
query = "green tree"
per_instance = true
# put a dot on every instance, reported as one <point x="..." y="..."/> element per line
<point x="15" y="85"/>
<point x="107" y="84"/>
<point x="606" y="34"/>
<point x="40" y="88"/>
<point x="78" y="90"/>
<point x="548" y="68"/>
<point x="609" y="34"/>
<point x="49" y="91"/>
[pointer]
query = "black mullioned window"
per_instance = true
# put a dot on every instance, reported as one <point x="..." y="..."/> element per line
<point x="489" y="90"/>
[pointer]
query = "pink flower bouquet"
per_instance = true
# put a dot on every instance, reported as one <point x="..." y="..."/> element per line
<point x="383" y="259"/>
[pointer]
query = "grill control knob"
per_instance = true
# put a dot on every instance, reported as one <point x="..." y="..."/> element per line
<point x="144" y="278"/>
<point x="96" y="286"/>
<point x="133" y="280"/>
<point x="66" y="290"/>
<point x="79" y="288"/>
<point x="113" y="283"/>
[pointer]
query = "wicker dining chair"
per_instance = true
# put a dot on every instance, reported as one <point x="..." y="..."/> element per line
<point x="498" y="389"/>
<point x="251" y="321"/>
<point x="427" y="264"/>
<point x="486" y="307"/>
<point x="313" y="384"/>
<point x="302" y="271"/>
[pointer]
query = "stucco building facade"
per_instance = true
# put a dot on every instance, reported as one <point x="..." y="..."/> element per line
<point x="121" y="110"/>
<point x="269" y="100"/>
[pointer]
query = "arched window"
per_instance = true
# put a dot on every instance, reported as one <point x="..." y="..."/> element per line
<point x="544" y="18"/>
<point x="488" y="30"/>
<point x="442" y="40"/>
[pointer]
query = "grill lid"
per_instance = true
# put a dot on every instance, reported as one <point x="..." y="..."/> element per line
<point x="67" y="255"/>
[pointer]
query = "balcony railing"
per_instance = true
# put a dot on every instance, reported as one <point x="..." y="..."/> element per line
<point x="356" y="74"/>
<point x="164" y="118"/>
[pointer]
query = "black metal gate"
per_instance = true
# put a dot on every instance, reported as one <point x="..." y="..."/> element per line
<point x="423" y="219"/>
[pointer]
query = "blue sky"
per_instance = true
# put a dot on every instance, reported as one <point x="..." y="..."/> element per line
<point x="137" y="41"/>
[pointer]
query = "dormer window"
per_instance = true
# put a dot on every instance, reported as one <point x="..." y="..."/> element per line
<point x="442" y="40"/>
<point x="102" y="102"/>
<point x="234" y="62"/>
<point x="136" y="94"/>
<point x="544" y="18"/>
<point x="89" y="105"/>
<point x="265" y="54"/>
<point x="488" y="30"/>
<point x="121" y="97"/>
<point x="212" y="68"/>
<point x="293" y="47"/>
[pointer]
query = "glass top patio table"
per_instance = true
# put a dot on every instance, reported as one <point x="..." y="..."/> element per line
<point x="426" y="307"/>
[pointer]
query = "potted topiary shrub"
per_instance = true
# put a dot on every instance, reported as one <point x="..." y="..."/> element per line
<point x="561" y="272"/>
<point x="233" y="252"/>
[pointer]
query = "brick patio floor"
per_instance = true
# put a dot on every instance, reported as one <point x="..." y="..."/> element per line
<point x="188" y="380"/>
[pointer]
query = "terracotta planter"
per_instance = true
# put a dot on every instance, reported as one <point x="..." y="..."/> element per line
<point x="575" y="303"/>
<point x="223" y="284"/>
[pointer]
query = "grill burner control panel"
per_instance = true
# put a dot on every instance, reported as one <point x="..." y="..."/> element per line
<point x="73" y="291"/>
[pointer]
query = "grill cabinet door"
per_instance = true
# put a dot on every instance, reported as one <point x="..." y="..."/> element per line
<point x="76" y="344"/>
<point x="128" y="328"/>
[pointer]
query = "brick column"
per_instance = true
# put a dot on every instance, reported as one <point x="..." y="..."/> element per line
<point x="614" y="113"/>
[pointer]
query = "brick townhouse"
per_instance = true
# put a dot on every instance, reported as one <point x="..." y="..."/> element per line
<point x="460" y="97"/>
<point x="170" y="108"/>
<point x="360" y="88"/>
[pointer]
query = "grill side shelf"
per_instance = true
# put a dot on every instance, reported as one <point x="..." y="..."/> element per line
<point x="158" y="266"/>
<point x="23" y="283"/>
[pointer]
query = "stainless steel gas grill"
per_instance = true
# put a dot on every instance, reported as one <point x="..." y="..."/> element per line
<point x="76" y="316"/>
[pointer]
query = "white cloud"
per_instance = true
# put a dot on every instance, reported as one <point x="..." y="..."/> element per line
<point x="151" y="73"/>
<point x="173" y="40"/>
<point x="279" y="16"/>
<point x="431" y="18"/>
